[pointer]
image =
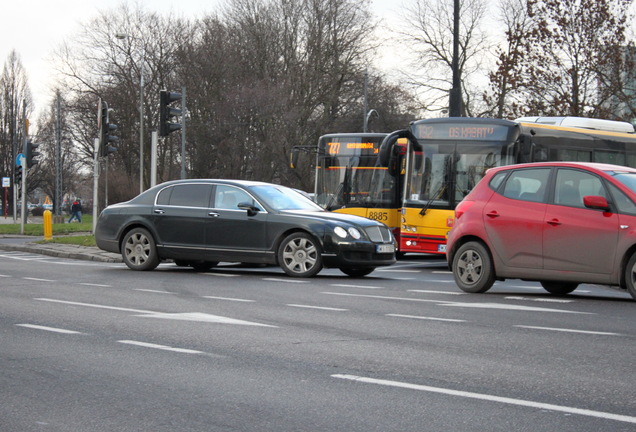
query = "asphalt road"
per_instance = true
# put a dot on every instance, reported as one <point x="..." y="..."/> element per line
<point x="90" y="346"/>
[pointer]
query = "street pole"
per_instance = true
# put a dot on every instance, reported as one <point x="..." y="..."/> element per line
<point x="95" y="180"/>
<point x="455" y="96"/>
<point x="141" y="120"/>
<point x="183" y="132"/>
<point x="153" y="158"/>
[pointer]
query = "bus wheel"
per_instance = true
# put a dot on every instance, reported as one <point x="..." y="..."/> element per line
<point x="559" y="288"/>
<point x="299" y="255"/>
<point x="630" y="276"/>
<point x="356" y="271"/>
<point x="472" y="268"/>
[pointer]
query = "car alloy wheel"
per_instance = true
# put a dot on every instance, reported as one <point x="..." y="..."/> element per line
<point x="139" y="251"/>
<point x="299" y="255"/>
<point x="472" y="268"/>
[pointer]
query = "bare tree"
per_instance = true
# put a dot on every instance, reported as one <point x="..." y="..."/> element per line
<point x="428" y="34"/>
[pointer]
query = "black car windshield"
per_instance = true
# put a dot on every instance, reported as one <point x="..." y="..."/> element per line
<point x="284" y="198"/>
<point x="627" y="178"/>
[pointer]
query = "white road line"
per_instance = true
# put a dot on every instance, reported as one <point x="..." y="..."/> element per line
<point x="153" y="291"/>
<point x="6" y="276"/>
<point x="546" y="300"/>
<point x="392" y="270"/>
<point x="569" y="330"/>
<point x="160" y="347"/>
<point x="318" y="307"/>
<point x="425" y="318"/>
<point x="285" y="280"/>
<point x="50" y="329"/>
<point x="221" y="274"/>
<point x="37" y="279"/>
<point x="385" y="297"/>
<point x="436" y="292"/>
<point x="95" y="285"/>
<point x="96" y="306"/>
<point x="229" y="299"/>
<point x="356" y="286"/>
<point x="442" y="272"/>
<point x="491" y="398"/>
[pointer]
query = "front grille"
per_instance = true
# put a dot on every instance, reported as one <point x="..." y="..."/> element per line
<point x="378" y="234"/>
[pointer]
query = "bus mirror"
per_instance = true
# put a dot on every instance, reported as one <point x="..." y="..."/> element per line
<point x="417" y="161"/>
<point x="293" y="161"/>
<point x="525" y="151"/>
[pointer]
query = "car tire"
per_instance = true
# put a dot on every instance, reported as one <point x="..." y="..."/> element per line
<point x="139" y="250"/>
<point x="299" y="255"/>
<point x="202" y="266"/>
<point x="630" y="276"/>
<point x="357" y="271"/>
<point x="559" y="288"/>
<point x="473" y="269"/>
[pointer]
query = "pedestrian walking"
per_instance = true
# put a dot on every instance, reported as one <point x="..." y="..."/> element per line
<point x="76" y="211"/>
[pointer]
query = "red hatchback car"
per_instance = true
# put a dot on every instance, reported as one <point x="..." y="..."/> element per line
<point x="559" y="223"/>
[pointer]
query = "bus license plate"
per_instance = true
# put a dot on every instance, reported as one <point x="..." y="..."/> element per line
<point x="386" y="248"/>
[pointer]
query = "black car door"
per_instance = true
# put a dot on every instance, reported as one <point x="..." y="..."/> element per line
<point x="180" y="214"/>
<point x="230" y="231"/>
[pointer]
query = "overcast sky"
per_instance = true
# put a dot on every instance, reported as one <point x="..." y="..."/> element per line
<point x="34" y="28"/>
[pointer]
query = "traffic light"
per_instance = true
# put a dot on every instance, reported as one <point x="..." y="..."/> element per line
<point x="31" y="154"/>
<point x="18" y="176"/>
<point x="166" y="112"/>
<point x="106" y="128"/>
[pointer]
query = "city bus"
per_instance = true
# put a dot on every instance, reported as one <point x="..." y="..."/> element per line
<point x="444" y="159"/>
<point x="350" y="180"/>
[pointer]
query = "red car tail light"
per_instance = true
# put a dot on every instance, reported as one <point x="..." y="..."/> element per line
<point x="462" y="208"/>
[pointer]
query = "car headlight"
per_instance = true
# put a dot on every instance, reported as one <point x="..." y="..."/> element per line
<point x="340" y="232"/>
<point x="353" y="232"/>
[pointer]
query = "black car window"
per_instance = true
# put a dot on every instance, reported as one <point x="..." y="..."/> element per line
<point x="527" y="184"/>
<point x="191" y="195"/>
<point x="229" y="197"/>
<point x="164" y="196"/>
<point x="624" y="204"/>
<point x="572" y="185"/>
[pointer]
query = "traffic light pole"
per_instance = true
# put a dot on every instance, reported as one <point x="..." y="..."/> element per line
<point x="95" y="181"/>
<point x="23" y="206"/>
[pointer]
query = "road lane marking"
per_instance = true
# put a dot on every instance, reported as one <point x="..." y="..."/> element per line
<point x="392" y="270"/>
<point x="569" y="330"/>
<point x="356" y="286"/>
<point x="221" y="274"/>
<point x="491" y="398"/>
<point x="38" y="279"/>
<point x="153" y="291"/>
<point x="318" y="307"/>
<point x="187" y="316"/>
<point x="95" y="285"/>
<point x="512" y="307"/>
<point x="6" y="276"/>
<point x="437" y="292"/>
<point x="285" y="280"/>
<point x="229" y="299"/>
<point x="49" y="329"/>
<point x="425" y="318"/>
<point x="161" y="347"/>
<point x="546" y="300"/>
<point x="385" y="297"/>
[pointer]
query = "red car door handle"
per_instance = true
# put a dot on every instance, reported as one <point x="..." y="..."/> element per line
<point x="554" y="222"/>
<point x="492" y="214"/>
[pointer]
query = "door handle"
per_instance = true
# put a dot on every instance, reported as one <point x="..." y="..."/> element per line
<point x="159" y="211"/>
<point x="214" y="214"/>
<point x="493" y="214"/>
<point x="554" y="222"/>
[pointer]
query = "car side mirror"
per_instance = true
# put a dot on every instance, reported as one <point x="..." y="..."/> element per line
<point x="251" y="210"/>
<point x="596" y="202"/>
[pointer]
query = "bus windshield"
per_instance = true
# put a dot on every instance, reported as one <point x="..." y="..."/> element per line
<point x="348" y="173"/>
<point x="444" y="172"/>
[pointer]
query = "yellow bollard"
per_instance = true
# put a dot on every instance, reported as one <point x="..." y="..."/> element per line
<point x="48" y="225"/>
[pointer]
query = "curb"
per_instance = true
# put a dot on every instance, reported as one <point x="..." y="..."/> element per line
<point x="66" y="251"/>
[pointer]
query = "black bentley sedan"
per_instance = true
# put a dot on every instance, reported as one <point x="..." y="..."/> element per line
<point x="201" y="222"/>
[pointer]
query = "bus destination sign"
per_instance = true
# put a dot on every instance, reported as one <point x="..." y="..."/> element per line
<point x="337" y="148"/>
<point x="459" y="131"/>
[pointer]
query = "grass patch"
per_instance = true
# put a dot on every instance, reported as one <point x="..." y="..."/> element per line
<point x="62" y="232"/>
<point x="79" y="240"/>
